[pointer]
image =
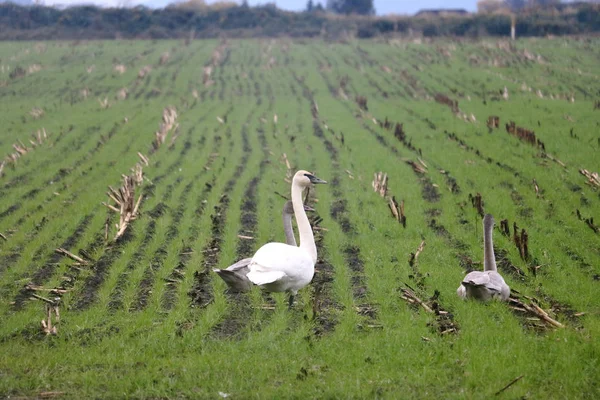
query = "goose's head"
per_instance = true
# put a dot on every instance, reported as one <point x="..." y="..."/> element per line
<point x="288" y="208"/>
<point x="305" y="178"/>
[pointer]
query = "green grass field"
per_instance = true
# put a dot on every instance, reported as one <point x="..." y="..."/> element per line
<point x="145" y="317"/>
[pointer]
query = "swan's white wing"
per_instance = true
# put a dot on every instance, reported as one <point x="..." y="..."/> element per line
<point x="484" y="286"/>
<point x="293" y="261"/>
<point x="238" y="266"/>
<point x="282" y="267"/>
<point x="477" y="278"/>
<point x="264" y="277"/>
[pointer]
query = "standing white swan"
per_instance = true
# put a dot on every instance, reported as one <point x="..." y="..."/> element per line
<point x="488" y="284"/>
<point x="279" y="267"/>
<point x="235" y="275"/>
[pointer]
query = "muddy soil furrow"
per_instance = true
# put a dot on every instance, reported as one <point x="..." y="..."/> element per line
<point x="429" y="191"/>
<point x="201" y="292"/>
<point x="462" y="144"/>
<point x="43" y="274"/>
<point x="170" y="294"/>
<point x="325" y="306"/>
<point x="116" y="296"/>
<point x="102" y="266"/>
<point x="248" y="220"/>
<point x="240" y="308"/>
<point x="147" y="282"/>
<point x="94" y="282"/>
<point x="338" y="212"/>
<point x="72" y="146"/>
<point x="156" y="213"/>
<point x="240" y="311"/>
<point x="354" y="262"/>
<point x="52" y="197"/>
<point x="8" y="259"/>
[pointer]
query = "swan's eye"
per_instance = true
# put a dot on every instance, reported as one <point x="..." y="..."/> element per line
<point x="309" y="176"/>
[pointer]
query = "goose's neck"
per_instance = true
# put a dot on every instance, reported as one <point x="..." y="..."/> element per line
<point x="287" y="228"/>
<point x="307" y="240"/>
<point x="489" y="260"/>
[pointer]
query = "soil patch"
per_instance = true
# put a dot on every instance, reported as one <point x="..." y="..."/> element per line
<point x="47" y="270"/>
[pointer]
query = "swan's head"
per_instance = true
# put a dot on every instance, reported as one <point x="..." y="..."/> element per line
<point x="305" y="178"/>
<point x="488" y="219"/>
<point x="288" y="208"/>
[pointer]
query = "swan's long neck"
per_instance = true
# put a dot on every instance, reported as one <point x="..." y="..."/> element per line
<point x="489" y="260"/>
<point x="307" y="240"/>
<point x="287" y="228"/>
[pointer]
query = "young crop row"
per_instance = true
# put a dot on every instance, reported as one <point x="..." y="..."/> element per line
<point x="131" y="285"/>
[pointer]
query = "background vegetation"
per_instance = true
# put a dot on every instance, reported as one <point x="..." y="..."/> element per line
<point x="145" y="317"/>
<point x="190" y="19"/>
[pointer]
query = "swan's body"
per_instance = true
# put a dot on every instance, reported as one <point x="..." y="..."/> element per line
<point x="235" y="275"/>
<point x="487" y="284"/>
<point x="279" y="267"/>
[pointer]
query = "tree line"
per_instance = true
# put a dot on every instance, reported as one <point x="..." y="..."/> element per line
<point x="87" y="22"/>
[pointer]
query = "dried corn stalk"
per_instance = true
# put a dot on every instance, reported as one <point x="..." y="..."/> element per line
<point x="532" y="308"/>
<point x="169" y="123"/>
<point x="414" y="256"/>
<point x="104" y="103"/>
<point x="411" y="297"/>
<point x="137" y="174"/>
<point x="417" y="167"/>
<point x="380" y="182"/>
<point x="79" y="260"/>
<point x="125" y="204"/>
<point x="120" y="68"/>
<point x="164" y="58"/>
<point x="143" y="158"/>
<point x="144" y="71"/>
<point x="207" y="72"/>
<point x="36" y="112"/>
<point x="288" y="173"/>
<point x="593" y="177"/>
<point x="47" y="326"/>
<point x="122" y="94"/>
<point x="21" y="149"/>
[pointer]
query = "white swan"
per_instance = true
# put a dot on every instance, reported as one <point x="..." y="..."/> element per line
<point x="488" y="284"/>
<point x="279" y="267"/>
<point x="235" y="275"/>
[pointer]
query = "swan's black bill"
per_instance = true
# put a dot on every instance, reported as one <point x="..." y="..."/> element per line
<point x="314" y="179"/>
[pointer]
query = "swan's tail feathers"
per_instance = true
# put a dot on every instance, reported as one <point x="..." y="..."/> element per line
<point x="476" y="280"/>
<point x="237" y="282"/>
<point x="239" y="265"/>
<point x="264" y="277"/>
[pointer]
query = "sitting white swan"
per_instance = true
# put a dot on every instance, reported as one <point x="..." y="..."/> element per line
<point x="488" y="284"/>
<point x="235" y="275"/>
<point x="279" y="267"/>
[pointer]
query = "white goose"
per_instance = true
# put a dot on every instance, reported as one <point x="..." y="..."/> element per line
<point x="279" y="267"/>
<point x="488" y="284"/>
<point x="235" y="275"/>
